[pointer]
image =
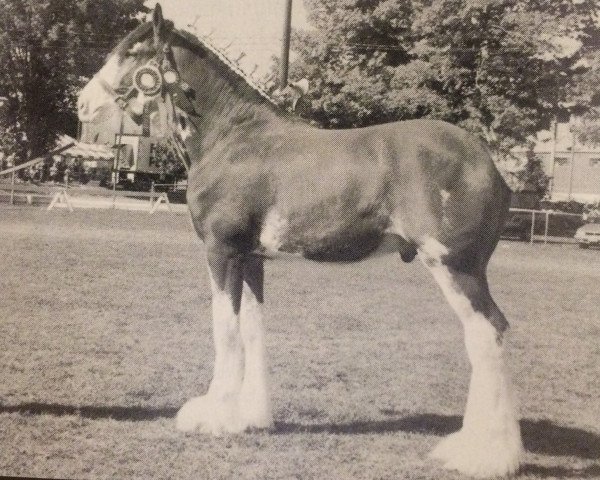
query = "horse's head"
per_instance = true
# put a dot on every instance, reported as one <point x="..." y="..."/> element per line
<point x="137" y="72"/>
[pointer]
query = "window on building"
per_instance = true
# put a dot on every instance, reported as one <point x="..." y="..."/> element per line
<point x="152" y="155"/>
<point x="561" y="161"/>
<point x="595" y="162"/>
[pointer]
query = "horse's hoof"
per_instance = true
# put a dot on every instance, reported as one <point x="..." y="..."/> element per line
<point x="209" y="416"/>
<point x="472" y="455"/>
<point x="189" y="416"/>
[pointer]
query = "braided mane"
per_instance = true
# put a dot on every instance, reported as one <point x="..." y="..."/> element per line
<point x="218" y="55"/>
<point x="201" y="46"/>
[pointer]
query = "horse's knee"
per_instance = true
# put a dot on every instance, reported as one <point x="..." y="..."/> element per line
<point x="469" y="295"/>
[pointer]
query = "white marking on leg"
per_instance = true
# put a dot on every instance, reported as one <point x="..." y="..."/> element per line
<point x="431" y="248"/>
<point x="255" y="403"/>
<point x="489" y="442"/>
<point x="218" y="410"/>
<point x="228" y="373"/>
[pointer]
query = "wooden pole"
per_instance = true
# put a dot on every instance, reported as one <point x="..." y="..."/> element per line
<point x="285" y="45"/>
<point x="554" y="128"/>
<point x="12" y="188"/>
<point x="546" y="228"/>
<point x="117" y="159"/>
<point x="572" y="169"/>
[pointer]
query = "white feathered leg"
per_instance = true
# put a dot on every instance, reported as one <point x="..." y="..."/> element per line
<point x="218" y="411"/>
<point x="255" y="403"/>
<point x="489" y="442"/>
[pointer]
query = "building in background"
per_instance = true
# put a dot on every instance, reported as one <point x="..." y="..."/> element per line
<point x="133" y="145"/>
<point x="573" y="168"/>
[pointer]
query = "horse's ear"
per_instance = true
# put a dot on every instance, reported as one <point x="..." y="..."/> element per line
<point x="157" y="20"/>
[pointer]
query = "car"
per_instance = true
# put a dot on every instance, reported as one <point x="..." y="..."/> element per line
<point x="518" y="226"/>
<point x="588" y="235"/>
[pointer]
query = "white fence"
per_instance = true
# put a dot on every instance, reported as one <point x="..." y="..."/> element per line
<point x="73" y="197"/>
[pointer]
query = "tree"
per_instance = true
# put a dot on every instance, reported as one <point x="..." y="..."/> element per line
<point x="167" y="161"/>
<point x="48" y="50"/>
<point x="584" y="99"/>
<point x="500" y="68"/>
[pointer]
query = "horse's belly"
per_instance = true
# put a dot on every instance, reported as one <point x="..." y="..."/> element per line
<point x="319" y="240"/>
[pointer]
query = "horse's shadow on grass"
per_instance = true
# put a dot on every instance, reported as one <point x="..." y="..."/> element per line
<point x="539" y="471"/>
<point x="539" y="436"/>
<point x="133" y="414"/>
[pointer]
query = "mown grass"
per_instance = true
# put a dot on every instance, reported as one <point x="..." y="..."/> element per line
<point x="105" y="332"/>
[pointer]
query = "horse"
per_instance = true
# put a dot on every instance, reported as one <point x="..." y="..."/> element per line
<point x="264" y="184"/>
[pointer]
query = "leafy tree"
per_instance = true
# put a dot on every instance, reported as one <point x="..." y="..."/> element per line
<point x="585" y="99"/>
<point x="48" y="49"/>
<point x="167" y="160"/>
<point x="500" y="68"/>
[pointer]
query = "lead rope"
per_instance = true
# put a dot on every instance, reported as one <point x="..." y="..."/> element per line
<point x="175" y="140"/>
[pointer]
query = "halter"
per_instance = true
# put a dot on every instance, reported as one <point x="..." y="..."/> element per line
<point x="159" y="77"/>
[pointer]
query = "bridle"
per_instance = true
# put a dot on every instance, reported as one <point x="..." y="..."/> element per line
<point x="158" y="78"/>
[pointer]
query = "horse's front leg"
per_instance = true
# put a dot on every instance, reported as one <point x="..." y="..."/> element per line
<point x="219" y="411"/>
<point x="255" y="403"/>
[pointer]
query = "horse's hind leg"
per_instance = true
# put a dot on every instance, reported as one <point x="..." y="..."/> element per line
<point x="489" y="442"/>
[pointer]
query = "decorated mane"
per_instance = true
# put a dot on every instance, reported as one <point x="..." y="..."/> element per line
<point x="198" y="45"/>
<point x="222" y="59"/>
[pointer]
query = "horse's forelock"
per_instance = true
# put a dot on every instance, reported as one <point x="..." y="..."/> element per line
<point x="140" y="34"/>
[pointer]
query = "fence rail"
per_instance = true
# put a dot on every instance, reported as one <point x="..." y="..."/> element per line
<point x="546" y="214"/>
<point x="61" y="195"/>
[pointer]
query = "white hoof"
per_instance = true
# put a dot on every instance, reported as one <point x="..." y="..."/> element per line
<point x="228" y="415"/>
<point x="209" y="416"/>
<point x="478" y="456"/>
<point x="256" y="419"/>
<point x="255" y="411"/>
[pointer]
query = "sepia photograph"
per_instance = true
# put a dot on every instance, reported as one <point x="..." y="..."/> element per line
<point x="300" y="239"/>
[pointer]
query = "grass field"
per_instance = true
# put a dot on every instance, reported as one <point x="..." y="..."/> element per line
<point x="105" y="332"/>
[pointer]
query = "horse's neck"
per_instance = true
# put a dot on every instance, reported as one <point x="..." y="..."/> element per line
<point x="226" y="109"/>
